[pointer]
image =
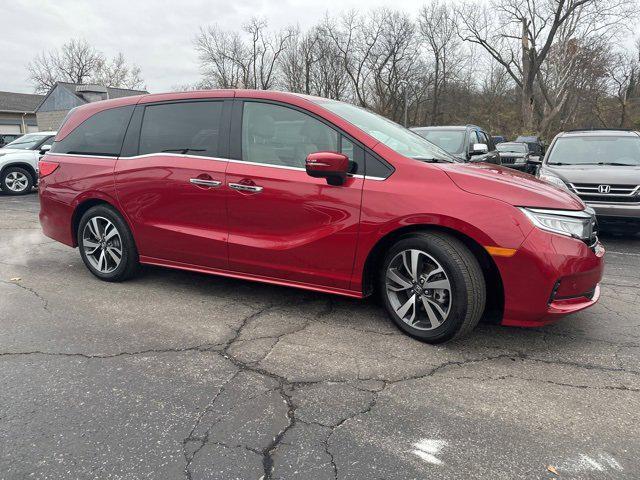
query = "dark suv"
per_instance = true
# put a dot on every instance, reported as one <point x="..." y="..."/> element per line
<point x="469" y="143"/>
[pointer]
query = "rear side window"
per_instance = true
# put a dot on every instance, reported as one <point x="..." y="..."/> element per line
<point x="187" y="128"/>
<point x="100" y="134"/>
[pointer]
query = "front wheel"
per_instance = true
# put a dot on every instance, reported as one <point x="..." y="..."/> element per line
<point x="433" y="287"/>
<point x="106" y="244"/>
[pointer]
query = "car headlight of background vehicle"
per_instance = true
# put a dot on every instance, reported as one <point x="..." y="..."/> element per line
<point x="552" y="179"/>
<point x="571" y="223"/>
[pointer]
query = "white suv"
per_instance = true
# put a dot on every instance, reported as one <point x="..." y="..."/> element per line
<point x="19" y="162"/>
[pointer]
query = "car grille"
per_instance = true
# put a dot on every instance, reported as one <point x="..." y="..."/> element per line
<point x="507" y="160"/>
<point x="606" y="193"/>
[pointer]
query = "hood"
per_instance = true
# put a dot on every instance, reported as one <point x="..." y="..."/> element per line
<point x="518" y="189"/>
<point x="5" y="151"/>
<point x="597" y="174"/>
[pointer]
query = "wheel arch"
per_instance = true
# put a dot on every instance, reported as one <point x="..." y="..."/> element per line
<point x="84" y="205"/>
<point x="495" y="289"/>
<point x="25" y="165"/>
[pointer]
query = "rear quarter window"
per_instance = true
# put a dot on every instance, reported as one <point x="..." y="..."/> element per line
<point x="101" y="134"/>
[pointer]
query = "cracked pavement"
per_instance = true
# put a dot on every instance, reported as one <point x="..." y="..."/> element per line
<point x="181" y="375"/>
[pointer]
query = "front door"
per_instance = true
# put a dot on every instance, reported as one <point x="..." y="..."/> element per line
<point x="173" y="190"/>
<point x="284" y="224"/>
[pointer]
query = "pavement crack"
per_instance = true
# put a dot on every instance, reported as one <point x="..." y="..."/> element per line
<point x="267" y="453"/>
<point x="45" y="302"/>
<point x="208" y="347"/>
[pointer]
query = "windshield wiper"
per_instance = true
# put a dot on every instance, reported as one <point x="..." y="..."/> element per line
<point x="432" y="160"/>
<point x="184" y="150"/>
<point x="617" y="164"/>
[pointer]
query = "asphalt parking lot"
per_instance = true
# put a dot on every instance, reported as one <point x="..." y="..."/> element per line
<point x="181" y="375"/>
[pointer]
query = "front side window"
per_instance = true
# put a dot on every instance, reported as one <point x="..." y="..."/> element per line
<point x="398" y="138"/>
<point x="100" y="134"/>
<point x="185" y="127"/>
<point x="596" y="150"/>
<point x="27" y="142"/>
<point x="283" y="136"/>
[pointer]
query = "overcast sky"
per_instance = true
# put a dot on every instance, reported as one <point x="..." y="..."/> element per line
<point x="156" y="35"/>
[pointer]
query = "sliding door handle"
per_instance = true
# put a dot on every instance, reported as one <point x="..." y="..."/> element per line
<point x="245" y="188"/>
<point x="205" y="183"/>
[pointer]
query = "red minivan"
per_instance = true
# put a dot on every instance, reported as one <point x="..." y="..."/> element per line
<point x="318" y="194"/>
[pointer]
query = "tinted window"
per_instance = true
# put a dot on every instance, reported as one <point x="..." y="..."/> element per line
<point x="473" y="138"/>
<point x="100" y="134"/>
<point x="188" y="128"/>
<point x="283" y="136"/>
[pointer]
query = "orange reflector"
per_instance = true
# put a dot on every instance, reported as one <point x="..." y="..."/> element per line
<point x="500" y="252"/>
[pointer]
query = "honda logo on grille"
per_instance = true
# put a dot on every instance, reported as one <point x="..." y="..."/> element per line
<point x="604" y="188"/>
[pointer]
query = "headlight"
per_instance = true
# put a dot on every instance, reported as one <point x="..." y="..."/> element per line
<point x="572" y="223"/>
<point x="552" y="179"/>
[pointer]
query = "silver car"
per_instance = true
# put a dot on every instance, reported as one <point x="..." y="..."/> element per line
<point x="602" y="167"/>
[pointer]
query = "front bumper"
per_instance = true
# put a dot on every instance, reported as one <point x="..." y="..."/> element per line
<point x="622" y="211"/>
<point x="550" y="276"/>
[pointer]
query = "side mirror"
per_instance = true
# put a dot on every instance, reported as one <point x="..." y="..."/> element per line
<point x="534" y="160"/>
<point x="44" y="149"/>
<point x="479" y="149"/>
<point x="330" y="165"/>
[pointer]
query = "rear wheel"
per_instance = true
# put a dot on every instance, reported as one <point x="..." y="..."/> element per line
<point x="16" y="181"/>
<point x="433" y="287"/>
<point x="106" y="244"/>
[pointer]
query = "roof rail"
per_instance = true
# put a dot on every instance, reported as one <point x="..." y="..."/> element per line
<point x="591" y="129"/>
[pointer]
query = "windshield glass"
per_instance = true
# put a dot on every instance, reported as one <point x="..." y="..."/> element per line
<point x="398" y="138"/>
<point x="26" y="142"/>
<point x="595" y="150"/>
<point x="512" y="147"/>
<point x="450" y="140"/>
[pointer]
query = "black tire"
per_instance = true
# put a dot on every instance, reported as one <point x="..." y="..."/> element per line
<point x="129" y="264"/>
<point x="8" y="189"/>
<point x="467" y="288"/>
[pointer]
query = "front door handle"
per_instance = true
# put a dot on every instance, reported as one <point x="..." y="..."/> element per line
<point x="245" y="188"/>
<point x="205" y="183"/>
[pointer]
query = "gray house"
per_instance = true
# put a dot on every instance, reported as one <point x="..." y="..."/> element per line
<point x="64" y="96"/>
<point x="17" y="113"/>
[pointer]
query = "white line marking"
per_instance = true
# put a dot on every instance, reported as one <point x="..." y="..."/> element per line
<point x="623" y="253"/>
<point x="428" y="448"/>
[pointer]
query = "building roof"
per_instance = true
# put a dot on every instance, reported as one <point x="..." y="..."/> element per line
<point x="19" y="102"/>
<point x="78" y="89"/>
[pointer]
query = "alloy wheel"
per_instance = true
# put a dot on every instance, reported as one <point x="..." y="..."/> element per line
<point x="16" y="181"/>
<point x="102" y="244"/>
<point x="418" y="289"/>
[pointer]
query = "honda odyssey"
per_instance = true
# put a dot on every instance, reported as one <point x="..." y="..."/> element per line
<point x="317" y="194"/>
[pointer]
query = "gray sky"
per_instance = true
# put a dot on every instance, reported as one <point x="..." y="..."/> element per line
<point x="156" y="35"/>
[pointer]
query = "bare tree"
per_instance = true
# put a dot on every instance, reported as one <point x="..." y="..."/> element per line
<point x="78" y="62"/>
<point x="521" y="34"/>
<point x="624" y="80"/>
<point x="439" y="27"/>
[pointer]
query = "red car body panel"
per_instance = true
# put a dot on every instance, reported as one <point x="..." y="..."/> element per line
<point x="300" y="231"/>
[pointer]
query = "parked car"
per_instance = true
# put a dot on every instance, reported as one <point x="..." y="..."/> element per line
<point x="469" y="143"/>
<point x="602" y="167"/>
<point x="536" y="145"/>
<point x="8" y="138"/>
<point x="19" y="162"/>
<point x="317" y="194"/>
<point x="498" y="139"/>
<point x="517" y="156"/>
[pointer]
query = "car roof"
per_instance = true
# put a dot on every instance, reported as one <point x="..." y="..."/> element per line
<point x="600" y="133"/>
<point x="443" y="127"/>
<point x="513" y="143"/>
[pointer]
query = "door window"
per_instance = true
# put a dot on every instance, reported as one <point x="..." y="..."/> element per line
<point x="186" y="127"/>
<point x="284" y="136"/>
<point x="473" y="138"/>
<point x="100" y="134"/>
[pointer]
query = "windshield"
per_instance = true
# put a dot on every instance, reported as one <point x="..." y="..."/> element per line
<point x="512" y="147"/>
<point x="596" y="150"/>
<point x="450" y="140"/>
<point x="398" y="138"/>
<point x="26" y="142"/>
